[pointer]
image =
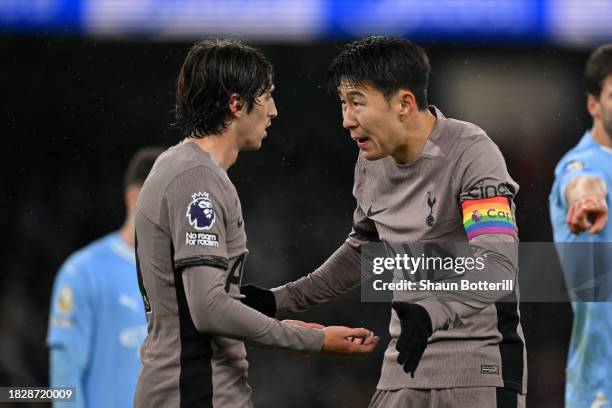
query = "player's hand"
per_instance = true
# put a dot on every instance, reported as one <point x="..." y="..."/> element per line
<point x="260" y="299"/>
<point x="306" y="325"/>
<point x="364" y="340"/>
<point x="339" y="340"/>
<point x="589" y="213"/>
<point x="416" y="329"/>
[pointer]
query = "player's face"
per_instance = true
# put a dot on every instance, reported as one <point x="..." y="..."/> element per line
<point x="369" y="117"/>
<point x="253" y="124"/>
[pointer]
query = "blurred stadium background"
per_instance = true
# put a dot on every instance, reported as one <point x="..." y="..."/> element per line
<point x="85" y="83"/>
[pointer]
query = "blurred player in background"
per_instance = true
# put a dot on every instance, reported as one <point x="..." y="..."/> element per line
<point x="97" y="321"/>
<point x="579" y="213"/>
<point x="421" y="177"/>
<point x="191" y="242"/>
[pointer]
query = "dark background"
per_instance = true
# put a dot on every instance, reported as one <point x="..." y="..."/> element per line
<point x="74" y="111"/>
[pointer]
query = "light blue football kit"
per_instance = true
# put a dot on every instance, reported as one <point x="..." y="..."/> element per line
<point x="587" y="265"/>
<point x="97" y="324"/>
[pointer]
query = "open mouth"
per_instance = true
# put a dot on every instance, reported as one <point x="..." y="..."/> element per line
<point x="362" y="141"/>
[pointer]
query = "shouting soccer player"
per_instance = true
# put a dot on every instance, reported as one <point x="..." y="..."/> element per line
<point x="97" y="325"/>
<point x="191" y="242"/>
<point x="420" y="177"/>
<point x="579" y="214"/>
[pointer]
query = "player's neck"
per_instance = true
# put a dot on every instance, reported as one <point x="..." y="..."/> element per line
<point x="221" y="147"/>
<point x="415" y="137"/>
<point x="599" y="134"/>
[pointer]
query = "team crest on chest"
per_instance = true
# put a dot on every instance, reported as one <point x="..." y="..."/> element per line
<point x="431" y="201"/>
<point x="200" y="212"/>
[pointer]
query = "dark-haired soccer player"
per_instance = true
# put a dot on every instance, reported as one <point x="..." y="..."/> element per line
<point x="579" y="213"/>
<point x="423" y="177"/>
<point x="191" y="242"/>
<point x="97" y="325"/>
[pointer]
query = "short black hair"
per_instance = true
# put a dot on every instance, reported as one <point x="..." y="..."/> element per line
<point x="598" y="67"/>
<point x="213" y="70"/>
<point x="387" y="63"/>
<point x="140" y="166"/>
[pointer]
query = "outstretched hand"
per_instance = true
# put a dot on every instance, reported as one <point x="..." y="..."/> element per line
<point x="589" y="213"/>
<point x="340" y="340"/>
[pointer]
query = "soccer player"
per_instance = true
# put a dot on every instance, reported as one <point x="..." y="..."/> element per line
<point x="191" y="243"/>
<point x="420" y="177"/>
<point x="579" y="215"/>
<point x="97" y="321"/>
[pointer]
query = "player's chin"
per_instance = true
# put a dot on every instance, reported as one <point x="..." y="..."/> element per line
<point x="251" y="148"/>
<point x="252" y="145"/>
<point x="372" y="155"/>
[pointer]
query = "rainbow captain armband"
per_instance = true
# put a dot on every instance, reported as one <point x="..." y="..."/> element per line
<point x="487" y="216"/>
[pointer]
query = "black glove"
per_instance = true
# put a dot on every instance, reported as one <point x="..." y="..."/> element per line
<point x="259" y="299"/>
<point x="416" y="329"/>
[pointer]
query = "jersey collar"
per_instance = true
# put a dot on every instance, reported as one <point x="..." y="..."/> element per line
<point x="431" y="147"/>
<point x="588" y="140"/>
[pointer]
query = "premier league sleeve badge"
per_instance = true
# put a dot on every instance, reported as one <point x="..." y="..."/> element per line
<point x="200" y="212"/>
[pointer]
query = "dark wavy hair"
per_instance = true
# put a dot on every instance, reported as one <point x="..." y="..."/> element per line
<point x="387" y="63"/>
<point x="213" y="70"/>
<point x="598" y="67"/>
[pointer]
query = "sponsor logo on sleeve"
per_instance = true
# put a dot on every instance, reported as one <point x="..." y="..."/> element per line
<point x="483" y="190"/>
<point x="65" y="302"/>
<point x="200" y="211"/>
<point x="64" y="307"/>
<point x="61" y="323"/>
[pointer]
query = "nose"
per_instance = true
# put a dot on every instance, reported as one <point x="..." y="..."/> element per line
<point x="272" y="112"/>
<point x="348" y="120"/>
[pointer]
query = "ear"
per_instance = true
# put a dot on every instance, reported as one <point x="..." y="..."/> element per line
<point x="236" y="105"/>
<point x="406" y="102"/>
<point x="593" y="106"/>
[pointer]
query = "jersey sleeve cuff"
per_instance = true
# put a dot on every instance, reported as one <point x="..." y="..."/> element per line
<point x="318" y="342"/>
<point x="282" y="298"/>
<point x="213" y="261"/>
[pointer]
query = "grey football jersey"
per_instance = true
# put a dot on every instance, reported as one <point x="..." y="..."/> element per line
<point x="422" y="202"/>
<point x="189" y="229"/>
<point x="474" y="344"/>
